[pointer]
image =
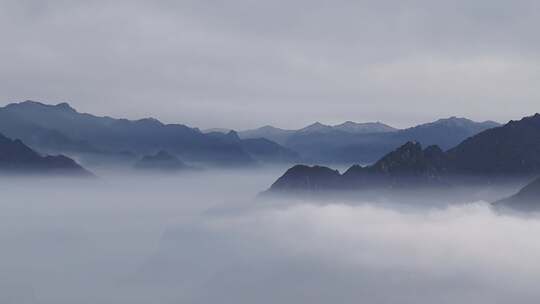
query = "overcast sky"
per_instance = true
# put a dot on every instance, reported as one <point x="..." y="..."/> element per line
<point x="246" y="63"/>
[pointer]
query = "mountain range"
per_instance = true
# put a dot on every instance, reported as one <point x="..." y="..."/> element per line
<point x="457" y="150"/>
<point x="61" y="128"/>
<point x="512" y="150"/>
<point x="365" y="143"/>
<point x="281" y="135"/>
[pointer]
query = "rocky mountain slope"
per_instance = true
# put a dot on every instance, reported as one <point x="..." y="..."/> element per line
<point x="18" y="158"/>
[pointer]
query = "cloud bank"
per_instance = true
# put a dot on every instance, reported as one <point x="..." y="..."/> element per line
<point x="172" y="240"/>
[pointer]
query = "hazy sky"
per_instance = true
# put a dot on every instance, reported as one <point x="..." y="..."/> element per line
<point x="245" y="63"/>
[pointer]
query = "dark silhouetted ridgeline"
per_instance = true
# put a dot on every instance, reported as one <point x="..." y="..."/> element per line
<point x="506" y="152"/>
<point x="18" y="158"/>
<point x="527" y="199"/>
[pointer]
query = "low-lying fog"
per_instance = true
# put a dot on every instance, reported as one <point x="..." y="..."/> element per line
<point x="201" y="238"/>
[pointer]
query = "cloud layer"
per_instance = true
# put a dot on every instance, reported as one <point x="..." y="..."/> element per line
<point x="140" y="239"/>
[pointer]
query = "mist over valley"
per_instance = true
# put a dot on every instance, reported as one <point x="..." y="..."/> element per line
<point x="262" y="152"/>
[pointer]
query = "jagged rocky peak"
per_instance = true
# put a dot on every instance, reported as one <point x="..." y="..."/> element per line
<point x="531" y="120"/>
<point x="409" y="153"/>
<point x="407" y="165"/>
<point x="64" y="106"/>
<point x="302" y="177"/>
<point x="411" y="159"/>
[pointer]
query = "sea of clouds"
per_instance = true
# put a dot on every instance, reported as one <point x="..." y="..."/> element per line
<point x="202" y="238"/>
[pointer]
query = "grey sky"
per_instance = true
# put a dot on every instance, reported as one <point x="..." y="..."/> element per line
<point x="245" y="63"/>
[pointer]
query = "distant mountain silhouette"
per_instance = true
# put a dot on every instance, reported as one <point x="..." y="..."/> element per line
<point x="365" y="143"/>
<point x="60" y="128"/>
<point x="260" y="149"/>
<point x="40" y="137"/>
<point x="271" y="133"/>
<point x="161" y="161"/>
<point x="348" y="127"/>
<point x="527" y="199"/>
<point x="316" y="128"/>
<point x="282" y="136"/>
<point x="512" y="150"/>
<point x="18" y="158"/>
<point x="363" y="128"/>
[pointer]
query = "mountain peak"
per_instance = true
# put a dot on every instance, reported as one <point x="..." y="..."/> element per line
<point x="31" y="104"/>
<point x="27" y="103"/>
<point x="316" y="127"/>
<point x="302" y="177"/>
<point x="65" y="106"/>
<point x="408" y="156"/>
<point x="268" y="127"/>
<point x="459" y="123"/>
<point x="533" y="119"/>
<point x="366" y="127"/>
<point x="148" y="122"/>
<point x="454" y="120"/>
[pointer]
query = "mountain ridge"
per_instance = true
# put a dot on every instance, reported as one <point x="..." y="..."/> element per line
<point x="347" y="148"/>
<point x="60" y="128"/>
<point x="526" y="199"/>
<point x="509" y="150"/>
<point x="18" y="158"/>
